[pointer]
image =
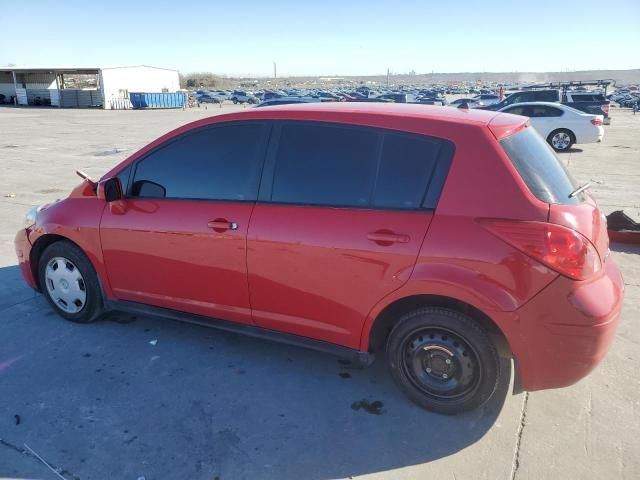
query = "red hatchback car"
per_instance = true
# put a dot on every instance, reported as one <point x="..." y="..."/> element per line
<point x="450" y="239"/>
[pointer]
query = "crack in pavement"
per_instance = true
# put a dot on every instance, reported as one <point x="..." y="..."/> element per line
<point x="515" y="464"/>
<point x="7" y="307"/>
<point x="26" y="452"/>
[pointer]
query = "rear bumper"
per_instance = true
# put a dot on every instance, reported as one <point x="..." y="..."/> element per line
<point x="591" y="135"/>
<point x="567" y="329"/>
<point x="23" y="251"/>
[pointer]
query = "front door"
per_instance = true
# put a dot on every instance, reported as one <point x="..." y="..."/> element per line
<point x="179" y="242"/>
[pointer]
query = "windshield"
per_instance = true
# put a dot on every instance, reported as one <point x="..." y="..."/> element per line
<point x="545" y="175"/>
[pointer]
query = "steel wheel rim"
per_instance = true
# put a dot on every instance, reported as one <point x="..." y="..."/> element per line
<point x="441" y="363"/>
<point x="561" y="140"/>
<point x="65" y="285"/>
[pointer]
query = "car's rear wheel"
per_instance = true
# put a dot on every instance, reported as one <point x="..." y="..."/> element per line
<point x="443" y="360"/>
<point x="561" y="140"/>
<point x="235" y="101"/>
<point x="69" y="282"/>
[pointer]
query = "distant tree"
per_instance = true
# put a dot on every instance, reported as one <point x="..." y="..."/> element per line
<point x="205" y="80"/>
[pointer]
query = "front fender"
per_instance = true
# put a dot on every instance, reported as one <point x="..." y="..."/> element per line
<point x="77" y="220"/>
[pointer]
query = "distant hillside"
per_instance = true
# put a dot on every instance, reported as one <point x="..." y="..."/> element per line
<point x="621" y="76"/>
<point x="210" y="80"/>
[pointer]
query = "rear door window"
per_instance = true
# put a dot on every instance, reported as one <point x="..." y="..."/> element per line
<point x="517" y="110"/>
<point x="545" y="176"/>
<point x="325" y="165"/>
<point x="545" y="111"/>
<point x="406" y="165"/>
<point x="359" y="167"/>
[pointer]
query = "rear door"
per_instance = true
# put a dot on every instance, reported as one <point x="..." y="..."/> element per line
<point x="545" y="118"/>
<point x="342" y="213"/>
<point x="179" y="241"/>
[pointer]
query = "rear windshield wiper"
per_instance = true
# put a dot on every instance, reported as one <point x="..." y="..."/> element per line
<point x="580" y="189"/>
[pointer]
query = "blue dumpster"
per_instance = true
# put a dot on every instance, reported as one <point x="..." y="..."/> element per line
<point x="157" y="100"/>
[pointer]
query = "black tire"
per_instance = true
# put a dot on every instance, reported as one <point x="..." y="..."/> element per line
<point x="235" y="101"/>
<point x="564" y="145"/>
<point x="443" y="360"/>
<point x="91" y="308"/>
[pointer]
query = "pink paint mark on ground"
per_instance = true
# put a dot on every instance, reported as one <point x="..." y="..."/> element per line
<point x="7" y="363"/>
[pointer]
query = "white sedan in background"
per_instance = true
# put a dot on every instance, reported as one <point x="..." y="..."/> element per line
<point x="562" y="126"/>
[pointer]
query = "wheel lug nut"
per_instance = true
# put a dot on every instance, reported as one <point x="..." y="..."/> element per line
<point x="448" y="361"/>
<point x="428" y="370"/>
<point x="444" y="375"/>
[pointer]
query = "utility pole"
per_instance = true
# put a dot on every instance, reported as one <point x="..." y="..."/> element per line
<point x="275" y="72"/>
<point x="387" y="77"/>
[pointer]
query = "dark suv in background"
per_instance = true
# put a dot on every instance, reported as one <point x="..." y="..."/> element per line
<point x="588" y="102"/>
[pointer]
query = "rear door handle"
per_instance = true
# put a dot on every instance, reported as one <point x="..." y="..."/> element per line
<point x="221" y="225"/>
<point x="388" y="237"/>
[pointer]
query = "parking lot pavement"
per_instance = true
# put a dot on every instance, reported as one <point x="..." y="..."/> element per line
<point x="100" y="401"/>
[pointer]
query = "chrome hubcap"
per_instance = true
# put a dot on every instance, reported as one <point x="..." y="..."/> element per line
<point x="65" y="285"/>
<point x="561" y="141"/>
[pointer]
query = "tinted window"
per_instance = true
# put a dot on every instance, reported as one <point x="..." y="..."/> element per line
<point x="406" y="165"/>
<point x="586" y="97"/>
<point x="124" y="177"/>
<point x="545" y="111"/>
<point x="545" y="96"/>
<point x="521" y="97"/>
<point x="517" y="110"/>
<point x="544" y="174"/>
<point x="325" y="165"/>
<point x="217" y="163"/>
<point x="582" y="97"/>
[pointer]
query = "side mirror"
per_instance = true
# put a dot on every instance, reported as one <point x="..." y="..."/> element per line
<point x="110" y="190"/>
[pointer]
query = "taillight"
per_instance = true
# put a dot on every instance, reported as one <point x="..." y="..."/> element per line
<point x="596" y="121"/>
<point x="605" y="108"/>
<point x="559" y="248"/>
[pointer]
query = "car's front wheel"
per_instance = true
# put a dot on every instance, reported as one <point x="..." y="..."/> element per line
<point x="70" y="283"/>
<point x="443" y="360"/>
<point x="561" y="140"/>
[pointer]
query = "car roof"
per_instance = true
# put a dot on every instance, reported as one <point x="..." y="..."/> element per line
<point x="416" y="111"/>
<point x="548" y="104"/>
<point x="560" y="106"/>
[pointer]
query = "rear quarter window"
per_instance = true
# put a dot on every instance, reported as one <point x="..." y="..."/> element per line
<point x="545" y="176"/>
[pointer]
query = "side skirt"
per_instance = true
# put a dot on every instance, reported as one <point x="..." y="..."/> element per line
<point x="362" y="359"/>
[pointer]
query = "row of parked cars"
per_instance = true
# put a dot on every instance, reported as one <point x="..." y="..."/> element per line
<point x="219" y="96"/>
<point x="628" y="97"/>
<point x="563" y="117"/>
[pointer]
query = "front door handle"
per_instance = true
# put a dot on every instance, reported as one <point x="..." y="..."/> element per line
<point x="385" y="237"/>
<point x="221" y="225"/>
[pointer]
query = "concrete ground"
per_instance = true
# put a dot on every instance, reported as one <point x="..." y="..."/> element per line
<point x="100" y="401"/>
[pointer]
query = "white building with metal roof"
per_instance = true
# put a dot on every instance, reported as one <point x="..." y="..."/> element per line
<point x="76" y="87"/>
